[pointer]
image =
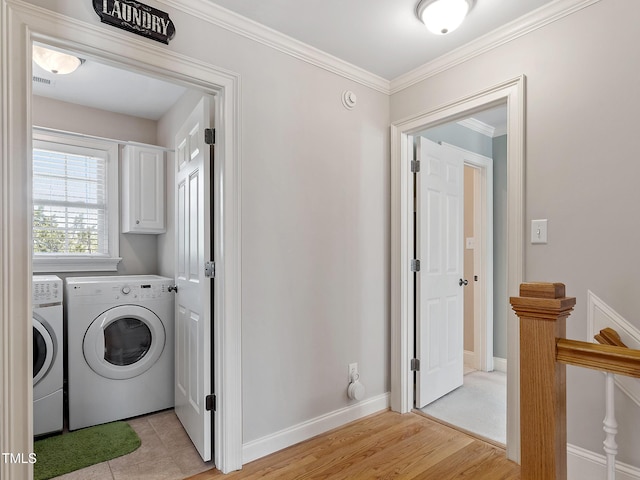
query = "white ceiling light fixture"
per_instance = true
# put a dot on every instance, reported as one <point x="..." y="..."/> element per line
<point x="443" y="16"/>
<point x="54" y="61"/>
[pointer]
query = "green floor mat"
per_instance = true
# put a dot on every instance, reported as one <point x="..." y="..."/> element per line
<point x="75" y="450"/>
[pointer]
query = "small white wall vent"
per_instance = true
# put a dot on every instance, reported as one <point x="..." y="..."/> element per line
<point x="43" y="81"/>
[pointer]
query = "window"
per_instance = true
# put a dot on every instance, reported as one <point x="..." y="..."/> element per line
<point x="75" y="203"/>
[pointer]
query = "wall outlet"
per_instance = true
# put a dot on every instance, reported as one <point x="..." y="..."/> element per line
<point x="353" y="371"/>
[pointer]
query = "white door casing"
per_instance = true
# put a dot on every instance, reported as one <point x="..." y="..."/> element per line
<point x="511" y="92"/>
<point x="439" y="247"/>
<point x="193" y="297"/>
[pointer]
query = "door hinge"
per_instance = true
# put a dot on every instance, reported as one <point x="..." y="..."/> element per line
<point x="415" y="166"/>
<point x="415" y="365"/>
<point x="415" y="265"/>
<point x="210" y="269"/>
<point x="210" y="136"/>
<point x="210" y="403"/>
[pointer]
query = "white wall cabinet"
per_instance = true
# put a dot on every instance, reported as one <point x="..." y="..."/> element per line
<point x="143" y="189"/>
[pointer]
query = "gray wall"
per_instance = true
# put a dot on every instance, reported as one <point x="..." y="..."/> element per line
<point x="501" y="305"/>
<point x="581" y="173"/>
<point x="139" y="252"/>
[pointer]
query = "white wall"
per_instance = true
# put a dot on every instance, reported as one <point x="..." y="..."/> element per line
<point x="70" y="117"/>
<point x="315" y="227"/>
<point x="581" y="172"/>
<point x="138" y="252"/>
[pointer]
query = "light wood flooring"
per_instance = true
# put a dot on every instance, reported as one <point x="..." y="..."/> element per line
<point x="382" y="446"/>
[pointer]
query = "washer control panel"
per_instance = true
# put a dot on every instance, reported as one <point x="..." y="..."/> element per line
<point x="121" y="289"/>
<point x="46" y="290"/>
<point x="140" y="291"/>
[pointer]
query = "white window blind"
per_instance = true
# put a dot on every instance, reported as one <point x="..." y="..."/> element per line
<point x="74" y="201"/>
<point x="69" y="203"/>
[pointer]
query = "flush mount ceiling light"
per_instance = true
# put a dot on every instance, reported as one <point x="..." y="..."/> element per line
<point x="443" y="16"/>
<point x="54" y="61"/>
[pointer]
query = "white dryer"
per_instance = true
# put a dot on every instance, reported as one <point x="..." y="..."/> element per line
<point x="48" y="354"/>
<point x="120" y="347"/>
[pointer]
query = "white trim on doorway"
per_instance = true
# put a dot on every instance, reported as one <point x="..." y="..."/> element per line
<point x="511" y="92"/>
<point x="20" y="24"/>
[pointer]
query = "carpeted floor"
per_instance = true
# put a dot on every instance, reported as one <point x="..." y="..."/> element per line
<point x="479" y="406"/>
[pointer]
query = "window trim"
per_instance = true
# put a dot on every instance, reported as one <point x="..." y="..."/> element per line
<point x="49" y="263"/>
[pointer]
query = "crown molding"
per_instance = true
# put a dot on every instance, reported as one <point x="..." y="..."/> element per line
<point x="233" y="22"/>
<point x="483" y="128"/>
<point x="478" y="126"/>
<point x="534" y="20"/>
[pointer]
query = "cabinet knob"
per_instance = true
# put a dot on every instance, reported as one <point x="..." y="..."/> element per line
<point x="137" y="222"/>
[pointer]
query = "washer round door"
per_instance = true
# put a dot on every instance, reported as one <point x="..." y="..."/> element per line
<point x="124" y="342"/>
<point x="43" y="352"/>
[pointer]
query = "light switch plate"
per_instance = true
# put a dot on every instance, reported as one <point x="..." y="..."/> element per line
<point x="539" y="231"/>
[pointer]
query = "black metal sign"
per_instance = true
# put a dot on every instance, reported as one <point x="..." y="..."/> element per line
<point x="136" y="17"/>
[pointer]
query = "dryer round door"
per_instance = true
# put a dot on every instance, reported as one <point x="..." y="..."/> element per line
<point x="124" y="342"/>
<point x="42" y="350"/>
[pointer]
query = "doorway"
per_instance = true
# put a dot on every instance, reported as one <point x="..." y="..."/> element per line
<point x="91" y="41"/>
<point x="133" y="109"/>
<point x="511" y="94"/>
<point x="474" y="282"/>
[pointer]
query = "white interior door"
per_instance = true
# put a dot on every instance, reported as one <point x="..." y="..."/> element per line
<point x="439" y="295"/>
<point x="193" y="298"/>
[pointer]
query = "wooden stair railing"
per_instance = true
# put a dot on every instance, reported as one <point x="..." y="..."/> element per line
<point x="544" y="353"/>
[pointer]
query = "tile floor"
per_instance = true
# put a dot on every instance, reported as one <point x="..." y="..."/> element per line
<point x="166" y="453"/>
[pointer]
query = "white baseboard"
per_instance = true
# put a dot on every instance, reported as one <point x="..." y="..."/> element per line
<point x="500" y="364"/>
<point x="290" y="436"/>
<point x="586" y="465"/>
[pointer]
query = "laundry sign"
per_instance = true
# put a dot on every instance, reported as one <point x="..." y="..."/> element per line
<point x="137" y="18"/>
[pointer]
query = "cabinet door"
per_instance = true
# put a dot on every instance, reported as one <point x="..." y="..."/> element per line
<point x="143" y="190"/>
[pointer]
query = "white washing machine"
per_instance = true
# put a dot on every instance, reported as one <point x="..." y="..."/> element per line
<point x="48" y="354"/>
<point x="120" y="347"/>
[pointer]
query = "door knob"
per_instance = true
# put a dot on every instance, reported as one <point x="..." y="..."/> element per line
<point x="463" y="282"/>
<point x="173" y="288"/>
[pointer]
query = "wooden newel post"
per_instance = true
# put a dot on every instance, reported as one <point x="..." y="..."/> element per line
<point x="543" y="310"/>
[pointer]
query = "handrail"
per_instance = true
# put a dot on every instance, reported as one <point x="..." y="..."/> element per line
<point x="607" y="358"/>
<point x="544" y="353"/>
<point x="608" y="336"/>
